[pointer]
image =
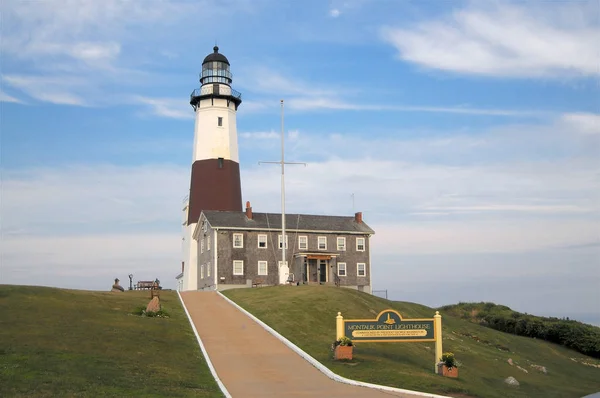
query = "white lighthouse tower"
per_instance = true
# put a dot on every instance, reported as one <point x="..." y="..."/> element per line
<point x="215" y="179"/>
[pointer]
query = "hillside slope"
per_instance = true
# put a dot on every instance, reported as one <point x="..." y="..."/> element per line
<point x="306" y="316"/>
<point x="61" y="343"/>
<point x="572" y="334"/>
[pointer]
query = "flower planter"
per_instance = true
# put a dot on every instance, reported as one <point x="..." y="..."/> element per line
<point x="343" y="352"/>
<point x="446" y="372"/>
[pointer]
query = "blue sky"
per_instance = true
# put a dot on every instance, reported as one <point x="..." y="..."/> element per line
<point x="468" y="132"/>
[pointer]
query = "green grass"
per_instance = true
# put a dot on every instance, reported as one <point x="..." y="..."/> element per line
<point x="73" y="343"/>
<point x="306" y="316"/>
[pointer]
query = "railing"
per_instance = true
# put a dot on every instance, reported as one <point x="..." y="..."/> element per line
<point x="380" y="293"/>
<point x="209" y="89"/>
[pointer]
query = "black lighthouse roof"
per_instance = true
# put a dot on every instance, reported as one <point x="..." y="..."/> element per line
<point x="215" y="56"/>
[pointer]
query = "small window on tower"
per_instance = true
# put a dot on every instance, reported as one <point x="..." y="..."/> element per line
<point x="220" y="163"/>
<point x="220" y="121"/>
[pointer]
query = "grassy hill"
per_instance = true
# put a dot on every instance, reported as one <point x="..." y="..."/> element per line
<point x="306" y="316"/>
<point x="572" y="334"/>
<point x="64" y="343"/>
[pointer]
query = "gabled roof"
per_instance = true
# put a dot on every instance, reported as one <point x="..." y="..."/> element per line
<point x="293" y="222"/>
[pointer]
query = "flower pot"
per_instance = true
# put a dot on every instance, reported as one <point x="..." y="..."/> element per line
<point x="343" y="352"/>
<point x="447" y="372"/>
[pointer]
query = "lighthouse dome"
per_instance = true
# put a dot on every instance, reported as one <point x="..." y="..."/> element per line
<point x="215" y="56"/>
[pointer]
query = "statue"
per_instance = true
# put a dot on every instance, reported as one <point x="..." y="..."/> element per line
<point x="116" y="287"/>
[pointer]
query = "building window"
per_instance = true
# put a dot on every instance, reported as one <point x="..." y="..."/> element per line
<point x="208" y="269"/>
<point x="220" y="121"/>
<point x="360" y="244"/>
<point x="303" y="242"/>
<point x="202" y="245"/>
<point x="238" y="267"/>
<point x="262" y="241"/>
<point x="286" y="241"/>
<point x="262" y="268"/>
<point x="238" y="241"/>
<point x="341" y="244"/>
<point x="208" y="243"/>
<point x="361" y="269"/>
<point x="202" y="271"/>
<point x="322" y="240"/>
<point x="341" y="269"/>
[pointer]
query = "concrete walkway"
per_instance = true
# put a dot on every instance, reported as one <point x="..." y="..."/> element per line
<point x="253" y="363"/>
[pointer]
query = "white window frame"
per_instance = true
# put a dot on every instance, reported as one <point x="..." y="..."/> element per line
<point x="208" y="269"/>
<point x="286" y="241"/>
<point x="266" y="237"/>
<point x="340" y="268"/>
<point x="239" y="263"/>
<point x="202" y="271"/>
<point x="266" y="265"/>
<point x="343" y="240"/>
<point x="241" y="236"/>
<point x="319" y="242"/>
<point x="364" y="244"/>
<point x="208" y="243"/>
<point x="358" y="269"/>
<point x="202" y="245"/>
<point x="305" y="247"/>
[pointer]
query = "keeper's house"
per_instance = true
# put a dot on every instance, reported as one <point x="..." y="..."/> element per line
<point x="243" y="249"/>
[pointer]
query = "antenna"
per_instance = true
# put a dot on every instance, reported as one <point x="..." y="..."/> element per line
<point x="282" y="162"/>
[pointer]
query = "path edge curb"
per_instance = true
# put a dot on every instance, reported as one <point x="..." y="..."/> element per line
<point x="325" y="370"/>
<point x="204" y="352"/>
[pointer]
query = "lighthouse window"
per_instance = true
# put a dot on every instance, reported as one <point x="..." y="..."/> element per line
<point x="220" y="121"/>
<point x="220" y="163"/>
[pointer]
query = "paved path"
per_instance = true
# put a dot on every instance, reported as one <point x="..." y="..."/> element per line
<point x="251" y="362"/>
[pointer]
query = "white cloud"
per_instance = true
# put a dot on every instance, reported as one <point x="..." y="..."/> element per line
<point x="175" y="108"/>
<point x="94" y="258"/>
<point x="9" y="98"/>
<point x="92" y="198"/>
<point x="300" y="95"/>
<point x="105" y="221"/>
<point x="587" y="123"/>
<point x="506" y="39"/>
<point x="56" y="90"/>
<point x="259" y="135"/>
<point x="334" y="13"/>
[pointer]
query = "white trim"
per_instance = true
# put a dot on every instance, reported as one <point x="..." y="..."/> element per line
<point x="206" y="357"/>
<point x="362" y="276"/>
<point x="337" y="243"/>
<point x="345" y="269"/>
<point x="310" y="231"/>
<point x="322" y="367"/>
<point x="299" y="245"/>
<point x="280" y="240"/>
<point x="266" y="241"/>
<point x="364" y="244"/>
<point x="266" y="268"/>
<point x="215" y="256"/>
<point x="233" y="265"/>
<point x="241" y="241"/>
<point x="319" y="242"/>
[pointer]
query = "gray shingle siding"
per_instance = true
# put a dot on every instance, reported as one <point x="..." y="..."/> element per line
<point x="227" y="224"/>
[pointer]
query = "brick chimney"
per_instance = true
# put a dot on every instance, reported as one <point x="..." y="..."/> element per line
<point x="358" y="217"/>
<point x="248" y="211"/>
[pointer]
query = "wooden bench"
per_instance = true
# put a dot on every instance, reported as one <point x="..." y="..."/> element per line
<point x="257" y="282"/>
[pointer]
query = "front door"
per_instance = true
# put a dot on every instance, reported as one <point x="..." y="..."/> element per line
<point x="323" y="271"/>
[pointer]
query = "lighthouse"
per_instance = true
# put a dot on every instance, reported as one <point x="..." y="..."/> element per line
<point x="215" y="177"/>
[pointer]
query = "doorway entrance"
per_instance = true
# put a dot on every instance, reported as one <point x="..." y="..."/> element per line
<point x="323" y="271"/>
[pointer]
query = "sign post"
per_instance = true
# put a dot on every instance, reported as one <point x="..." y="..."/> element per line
<point x="390" y="327"/>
